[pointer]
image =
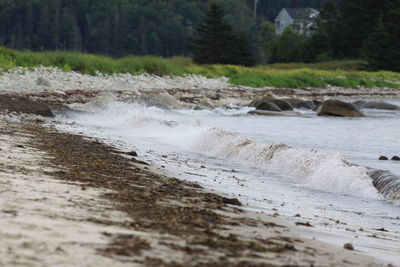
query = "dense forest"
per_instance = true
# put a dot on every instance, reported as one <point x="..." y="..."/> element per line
<point x="270" y="8"/>
<point x="346" y="29"/>
<point x="121" y="27"/>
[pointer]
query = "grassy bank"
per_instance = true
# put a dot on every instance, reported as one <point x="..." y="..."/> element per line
<point x="293" y="75"/>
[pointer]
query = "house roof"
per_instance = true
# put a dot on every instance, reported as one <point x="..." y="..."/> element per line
<point x="298" y="13"/>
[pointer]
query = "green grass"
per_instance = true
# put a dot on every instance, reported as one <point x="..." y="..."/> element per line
<point x="328" y="65"/>
<point x="349" y="74"/>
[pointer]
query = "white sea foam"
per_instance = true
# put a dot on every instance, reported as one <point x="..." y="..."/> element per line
<point x="325" y="171"/>
<point x="186" y="130"/>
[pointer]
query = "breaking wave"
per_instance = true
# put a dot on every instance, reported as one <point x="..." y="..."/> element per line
<point x="324" y="171"/>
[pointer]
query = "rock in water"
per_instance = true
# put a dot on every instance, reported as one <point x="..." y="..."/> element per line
<point x="338" y="108"/>
<point x="308" y="104"/>
<point x="397" y="158"/>
<point x="359" y="104"/>
<point x="383" y="158"/>
<point x="266" y="105"/>
<point x="317" y="102"/>
<point x="380" y="105"/>
<point x="282" y="104"/>
<point x="271" y="104"/>
<point x="274" y="113"/>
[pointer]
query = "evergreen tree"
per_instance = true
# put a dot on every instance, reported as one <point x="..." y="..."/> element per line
<point x="317" y="48"/>
<point x="349" y="25"/>
<point x="267" y="36"/>
<point x="216" y="43"/>
<point x="382" y="50"/>
<point x="329" y="27"/>
<point x="288" y="47"/>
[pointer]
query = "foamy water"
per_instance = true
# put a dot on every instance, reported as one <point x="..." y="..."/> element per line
<point x="325" y="171"/>
<point x="318" y="167"/>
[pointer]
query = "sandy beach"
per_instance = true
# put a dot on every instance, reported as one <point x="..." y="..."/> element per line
<point x="74" y="200"/>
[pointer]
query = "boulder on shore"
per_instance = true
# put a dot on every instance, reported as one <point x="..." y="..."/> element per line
<point x="338" y="108"/>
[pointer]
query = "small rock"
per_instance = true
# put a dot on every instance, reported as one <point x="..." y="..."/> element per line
<point x="348" y="246"/>
<point x="381" y="229"/>
<point x="205" y="102"/>
<point x="397" y="158"/>
<point x="132" y="153"/>
<point x="383" y="158"/>
<point x="231" y="201"/>
<point x="42" y="82"/>
<point x="307" y="224"/>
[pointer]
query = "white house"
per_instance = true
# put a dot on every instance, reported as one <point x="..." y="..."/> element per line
<point x="301" y="19"/>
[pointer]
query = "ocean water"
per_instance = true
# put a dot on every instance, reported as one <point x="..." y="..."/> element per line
<point x="315" y="168"/>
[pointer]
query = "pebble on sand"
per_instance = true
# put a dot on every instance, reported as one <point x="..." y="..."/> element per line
<point x="348" y="246"/>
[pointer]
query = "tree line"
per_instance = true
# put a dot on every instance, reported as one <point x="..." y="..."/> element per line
<point x="122" y="27"/>
<point x="365" y="29"/>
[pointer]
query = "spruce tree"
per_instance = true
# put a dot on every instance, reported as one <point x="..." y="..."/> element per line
<point x="353" y="25"/>
<point x="317" y="48"/>
<point x="216" y="42"/>
<point x="382" y="50"/>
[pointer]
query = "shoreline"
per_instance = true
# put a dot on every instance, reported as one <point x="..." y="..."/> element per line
<point x="169" y="221"/>
<point x="203" y="229"/>
<point x="193" y="91"/>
